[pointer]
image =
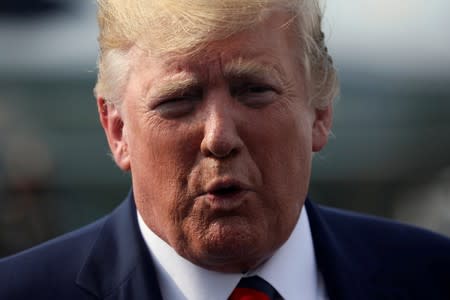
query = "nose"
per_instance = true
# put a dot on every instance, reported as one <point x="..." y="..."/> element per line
<point x="221" y="137"/>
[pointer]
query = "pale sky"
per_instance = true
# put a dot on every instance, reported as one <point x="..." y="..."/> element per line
<point x="408" y="35"/>
<point x="388" y="36"/>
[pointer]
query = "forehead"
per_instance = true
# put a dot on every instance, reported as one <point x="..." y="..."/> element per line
<point x="267" y="46"/>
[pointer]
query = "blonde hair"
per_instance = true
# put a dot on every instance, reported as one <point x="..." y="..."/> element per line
<point x="182" y="27"/>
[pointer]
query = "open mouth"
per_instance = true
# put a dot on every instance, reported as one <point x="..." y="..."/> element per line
<point x="226" y="191"/>
<point x="225" y="195"/>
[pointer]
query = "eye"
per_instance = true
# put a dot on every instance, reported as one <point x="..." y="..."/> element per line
<point x="176" y="106"/>
<point x="258" y="89"/>
<point x="256" y="95"/>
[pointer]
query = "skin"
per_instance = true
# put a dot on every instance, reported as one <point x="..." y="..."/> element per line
<point x="236" y="115"/>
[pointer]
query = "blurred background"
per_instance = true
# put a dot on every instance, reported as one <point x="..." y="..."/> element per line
<point x="389" y="155"/>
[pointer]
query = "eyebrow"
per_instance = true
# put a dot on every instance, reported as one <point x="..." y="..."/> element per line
<point x="236" y="69"/>
<point x="172" y="86"/>
<point x="240" y="68"/>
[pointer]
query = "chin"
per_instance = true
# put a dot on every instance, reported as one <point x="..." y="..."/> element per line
<point x="230" y="246"/>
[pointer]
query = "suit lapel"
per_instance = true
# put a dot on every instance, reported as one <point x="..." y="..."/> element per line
<point x="350" y="262"/>
<point x="119" y="265"/>
<point x="343" y="278"/>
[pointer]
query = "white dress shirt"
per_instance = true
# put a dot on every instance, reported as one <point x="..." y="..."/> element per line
<point x="292" y="270"/>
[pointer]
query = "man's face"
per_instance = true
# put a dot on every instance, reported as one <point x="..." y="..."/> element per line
<point x="219" y="146"/>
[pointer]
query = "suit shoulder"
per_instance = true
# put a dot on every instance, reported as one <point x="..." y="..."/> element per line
<point x="56" y="261"/>
<point x="403" y="257"/>
<point x="389" y="239"/>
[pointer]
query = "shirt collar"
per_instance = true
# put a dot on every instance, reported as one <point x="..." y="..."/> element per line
<point x="292" y="270"/>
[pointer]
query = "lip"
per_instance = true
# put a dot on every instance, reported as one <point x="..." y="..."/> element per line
<point x="225" y="183"/>
<point x="228" y="200"/>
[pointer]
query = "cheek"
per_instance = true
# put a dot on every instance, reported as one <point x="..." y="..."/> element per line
<point x="284" y="139"/>
<point x="283" y="154"/>
<point x="162" y="157"/>
<point x="164" y="149"/>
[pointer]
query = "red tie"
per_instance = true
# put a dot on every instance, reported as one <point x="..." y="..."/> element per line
<point x="253" y="288"/>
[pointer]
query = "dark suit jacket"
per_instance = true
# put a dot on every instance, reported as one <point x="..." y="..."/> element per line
<point x="360" y="257"/>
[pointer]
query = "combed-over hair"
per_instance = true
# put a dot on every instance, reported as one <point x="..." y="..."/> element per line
<point x="186" y="26"/>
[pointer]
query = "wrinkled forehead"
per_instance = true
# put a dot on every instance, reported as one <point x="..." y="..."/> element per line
<point x="262" y="39"/>
<point x="259" y="50"/>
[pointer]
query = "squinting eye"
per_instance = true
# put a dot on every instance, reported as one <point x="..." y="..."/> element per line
<point x="176" y="107"/>
<point x="256" y="96"/>
<point x="258" y="89"/>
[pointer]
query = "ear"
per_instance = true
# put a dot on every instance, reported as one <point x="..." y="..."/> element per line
<point x="321" y="127"/>
<point x="112" y="123"/>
